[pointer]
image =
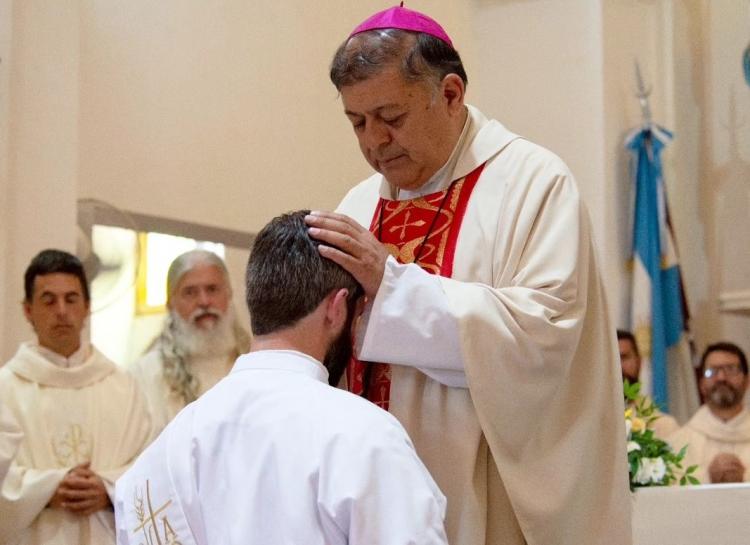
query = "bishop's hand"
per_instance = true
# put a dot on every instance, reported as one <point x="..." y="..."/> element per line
<point x="346" y="242"/>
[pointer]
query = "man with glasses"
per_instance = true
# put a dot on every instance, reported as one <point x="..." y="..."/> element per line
<point x="718" y="434"/>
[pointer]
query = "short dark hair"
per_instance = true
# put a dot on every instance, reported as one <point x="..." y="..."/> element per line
<point x="724" y="346"/>
<point x="623" y="334"/>
<point x="287" y="278"/>
<point x="421" y="57"/>
<point x="54" y="261"/>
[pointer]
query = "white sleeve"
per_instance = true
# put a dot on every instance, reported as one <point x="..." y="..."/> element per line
<point x="410" y="323"/>
<point x="10" y="438"/>
<point x="25" y="493"/>
<point x="121" y="520"/>
<point x="374" y="490"/>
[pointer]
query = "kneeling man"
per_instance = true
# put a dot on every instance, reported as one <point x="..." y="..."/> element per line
<point x="273" y="454"/>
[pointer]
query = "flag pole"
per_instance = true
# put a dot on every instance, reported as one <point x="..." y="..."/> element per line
<point x="642" y="93"/>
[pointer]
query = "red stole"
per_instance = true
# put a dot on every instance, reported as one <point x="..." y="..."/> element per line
<point x="424" y="229"/>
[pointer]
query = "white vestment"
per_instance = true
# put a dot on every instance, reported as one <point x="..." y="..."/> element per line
<point x="507" y="375"/>
<point x="92" y="412"/>
<point x="664" y="426"/>
<point x="10" y="437"/>
<point x="273" y="455"/>
<point x="706" y="436"/>
<point x="164" y="404"/>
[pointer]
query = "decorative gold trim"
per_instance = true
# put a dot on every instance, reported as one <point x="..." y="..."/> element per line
<point x="72" y="447"/>
<point x="156" y="530"/>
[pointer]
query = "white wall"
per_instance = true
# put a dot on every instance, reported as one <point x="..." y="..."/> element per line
<point x="40" y="212"/>
<point x="716" y="122"/>
<point x="6" y="29"/>
<point x="221" y="114"/>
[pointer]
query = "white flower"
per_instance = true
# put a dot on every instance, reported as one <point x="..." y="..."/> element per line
<point x="650" y="470"/>
<point x="658" y="470"/>
<point x="643" y="475"/>
<point x="632" y="445"/>
<point x="628" y="427"/>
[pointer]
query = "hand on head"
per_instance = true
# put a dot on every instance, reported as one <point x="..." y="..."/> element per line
<point x="350" y="245"/>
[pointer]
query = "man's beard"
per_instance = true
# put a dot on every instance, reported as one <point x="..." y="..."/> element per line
<point x="340" y="352"/>
<point x="216" y="340"/>
<point x="724" y="395"/>
<point x="630" y="378"/>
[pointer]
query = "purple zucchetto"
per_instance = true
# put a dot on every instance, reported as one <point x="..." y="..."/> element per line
<point x="403" y="19"/>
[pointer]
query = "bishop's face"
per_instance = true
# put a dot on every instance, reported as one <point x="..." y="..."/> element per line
<point x="406" y="130"/>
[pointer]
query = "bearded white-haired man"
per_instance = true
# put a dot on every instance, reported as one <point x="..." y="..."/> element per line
<point x="201" y="339"/>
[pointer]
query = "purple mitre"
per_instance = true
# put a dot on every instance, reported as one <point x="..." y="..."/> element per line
<point x="403" y="19"/>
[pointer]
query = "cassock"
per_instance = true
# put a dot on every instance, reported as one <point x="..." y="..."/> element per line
<point x="163" y="403"/>
<point x="504" y="366"/>
<point x="10" y="437"/>
<point x="91" y="412"/>
<point x="706" y="436"/>
<point x="273" y="455"/>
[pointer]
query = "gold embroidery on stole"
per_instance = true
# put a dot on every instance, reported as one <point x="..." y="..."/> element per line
<point x="156" y="530"/>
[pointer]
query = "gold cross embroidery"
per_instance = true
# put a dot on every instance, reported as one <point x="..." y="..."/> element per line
<point x="418" y="223"/>
<point x="156" y="530"/>
<point x="74" y="447"/>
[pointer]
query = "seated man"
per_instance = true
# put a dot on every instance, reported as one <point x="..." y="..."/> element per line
<point x="200" y="340"/>
<point x="630" y="361"/>
<point x="718" y="435"/>
<point x="272" y="454"/>
<point x="83" y="420"/>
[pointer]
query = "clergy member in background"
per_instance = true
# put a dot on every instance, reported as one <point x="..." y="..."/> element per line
<point x="83" y="420"/>
<point x="10" y="437"/>
<point x="487" y="333"/>
<point x="718" y="434"/>
<point x="630" y="363"/>
<point x="200" y="341"/>
<point x="273" y="454"/>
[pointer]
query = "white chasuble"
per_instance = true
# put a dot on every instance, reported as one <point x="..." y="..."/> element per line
<point x="506" y="375"/>
<point x="272" y="455"/>
<point x="706" y="436"/>
<point x="10" y="437"/>
<point x="93" y="412"/>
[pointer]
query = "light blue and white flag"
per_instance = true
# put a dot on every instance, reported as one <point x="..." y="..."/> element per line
<point x="658" y="308"/>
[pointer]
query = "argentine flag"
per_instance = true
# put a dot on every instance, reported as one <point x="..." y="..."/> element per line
<point x="658" y="307"/>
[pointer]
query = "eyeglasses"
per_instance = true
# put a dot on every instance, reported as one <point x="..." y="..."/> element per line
<point x="729" y="371"/>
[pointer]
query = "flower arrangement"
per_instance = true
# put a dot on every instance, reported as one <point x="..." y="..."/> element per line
<point x="651" y="461"/>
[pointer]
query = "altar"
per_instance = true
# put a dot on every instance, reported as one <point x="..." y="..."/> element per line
<point x="711" y="514"/>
